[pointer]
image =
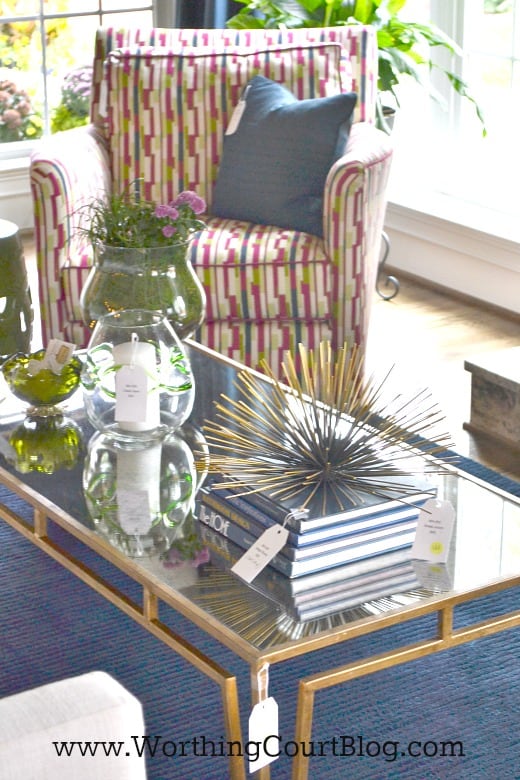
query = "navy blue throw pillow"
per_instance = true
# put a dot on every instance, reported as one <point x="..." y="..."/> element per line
<point x="277" y="157"/>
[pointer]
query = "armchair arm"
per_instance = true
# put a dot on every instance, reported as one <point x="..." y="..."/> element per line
<point x="354" y="211"/>
<point x="67" y="171"/>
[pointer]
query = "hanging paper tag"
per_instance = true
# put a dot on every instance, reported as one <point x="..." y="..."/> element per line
<point x="138" y="488"/>
<point x="237" y="114"/>
<point x="137" y="394"/>
<point x="57" y="354"/>
<point x="263" y="734"/>
<point x="433" y="576"/>
<point x="434" y="531"/>
<point x="260" y="553"/>
<point x="103" y="99"/>
<point x="134" y="511"/>
<point x="131" y="394"/>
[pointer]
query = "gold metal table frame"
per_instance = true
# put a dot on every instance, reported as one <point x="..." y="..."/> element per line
<point x="252" y="647"/>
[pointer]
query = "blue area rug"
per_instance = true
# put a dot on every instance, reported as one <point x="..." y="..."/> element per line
<point x="53" y="626"/>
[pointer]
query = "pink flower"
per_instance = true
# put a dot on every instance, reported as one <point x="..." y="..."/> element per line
<point x="12" y="118"/>
<point x="173" y="559"/>
<point x="169" y="230"/>
<point x="202" y="556"/>
<point x="24" y="108"/>
<point x="191" y="199"/>
<point x="163" y="210"/>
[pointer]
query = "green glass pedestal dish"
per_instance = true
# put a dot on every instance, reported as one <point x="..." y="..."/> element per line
<point x="45" y="444"/>
<point x="44" y="389"/>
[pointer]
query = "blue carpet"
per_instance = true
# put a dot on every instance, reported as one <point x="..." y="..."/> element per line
<point x="53" y="626"/>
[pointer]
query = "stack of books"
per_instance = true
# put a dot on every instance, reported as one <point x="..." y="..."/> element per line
<point x="332" y="562"/>
<point x="322" y="593"/>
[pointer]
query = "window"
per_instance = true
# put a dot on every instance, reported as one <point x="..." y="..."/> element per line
<point x="476" y="175"/>
<point x="45" y="60"/>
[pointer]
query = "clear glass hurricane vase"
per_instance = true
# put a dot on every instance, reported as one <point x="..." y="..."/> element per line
<point x="139" y="498"/>
<point x="137" y="379"/>
<point x="155" y="278"/>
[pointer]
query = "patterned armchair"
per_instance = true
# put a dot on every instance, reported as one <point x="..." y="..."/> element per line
<point x="160" y="104"/>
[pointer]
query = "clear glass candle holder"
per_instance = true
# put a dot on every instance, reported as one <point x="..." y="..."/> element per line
<point x="137" y="380"/>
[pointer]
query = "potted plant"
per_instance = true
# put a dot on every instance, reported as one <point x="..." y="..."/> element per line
<point x="403" y="46"/>
<point x="140" y="258"/>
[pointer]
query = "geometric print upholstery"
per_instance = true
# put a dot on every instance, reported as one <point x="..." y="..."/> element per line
<point x="166" y="110"/>
<point x="294" y="285"/>
<point x="358" y="64"/>
<point x="229" y="257"/>
<point x="161" y="102"/>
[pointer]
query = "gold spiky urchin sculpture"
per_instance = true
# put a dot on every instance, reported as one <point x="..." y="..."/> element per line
<point x="325" y="435"/>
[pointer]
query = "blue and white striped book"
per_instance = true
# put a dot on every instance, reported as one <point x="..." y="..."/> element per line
<point x="311" y="526"/>
<point x="296" y="562"/>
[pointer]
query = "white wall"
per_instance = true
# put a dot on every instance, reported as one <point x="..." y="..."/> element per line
<point x="461" y="258"/>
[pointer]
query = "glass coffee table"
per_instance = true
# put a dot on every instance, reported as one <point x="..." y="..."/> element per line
<point x="484" y="558"/>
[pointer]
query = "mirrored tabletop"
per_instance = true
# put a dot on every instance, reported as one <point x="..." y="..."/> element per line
<point x="187" y="564"/>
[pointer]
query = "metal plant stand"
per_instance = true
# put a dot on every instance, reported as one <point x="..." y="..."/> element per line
<point x="389" y="281"/>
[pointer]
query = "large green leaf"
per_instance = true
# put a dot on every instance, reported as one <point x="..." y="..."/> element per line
<point x="364" y="11"/>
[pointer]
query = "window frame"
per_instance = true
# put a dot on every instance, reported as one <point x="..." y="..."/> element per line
<point x="22" y="150"/>
<point x="446" y="199"/>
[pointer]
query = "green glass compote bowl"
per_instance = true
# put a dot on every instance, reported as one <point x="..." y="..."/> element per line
<point x="46" y="440"/>
<point x="45" y="444"/>
<point x="44" y="389"/>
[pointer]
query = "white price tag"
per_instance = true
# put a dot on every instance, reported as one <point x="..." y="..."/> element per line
<point x="263" y="732"/>
<point x="134" y="511"/>
<point x="260" y="553"/>
<point x="434" y="531"/>
<point x="58" y="354"/>
<point x="433" y="576"/>
<point x="131" y="394"/>
<point x="237" y="114"/>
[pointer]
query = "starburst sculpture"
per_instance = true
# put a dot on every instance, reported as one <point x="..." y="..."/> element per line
<point x="325" y="435"/>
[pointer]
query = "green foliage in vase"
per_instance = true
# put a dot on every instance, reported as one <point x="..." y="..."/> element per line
<point x="404" y="46"/>
<point x="127" y="220"/>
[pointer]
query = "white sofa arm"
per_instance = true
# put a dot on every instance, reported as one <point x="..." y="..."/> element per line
<point x="93" y="707"/>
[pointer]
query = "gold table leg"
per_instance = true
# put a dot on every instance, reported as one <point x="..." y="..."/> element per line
<point x="146" y="617"/>
<point x="447" y="638"/>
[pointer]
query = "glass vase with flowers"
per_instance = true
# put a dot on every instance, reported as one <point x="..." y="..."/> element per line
<point x="140" y="258"/>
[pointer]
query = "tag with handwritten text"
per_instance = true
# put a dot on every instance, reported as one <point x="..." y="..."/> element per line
<point x="260" y="553"/>
<point x="434" y="531"/>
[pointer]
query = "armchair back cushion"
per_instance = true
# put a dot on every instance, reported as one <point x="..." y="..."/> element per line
<point x="167" y="110"/>
<point x="358" y="63"/>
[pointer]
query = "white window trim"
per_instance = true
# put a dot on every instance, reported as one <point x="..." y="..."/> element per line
<point x="454" y="244"/>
